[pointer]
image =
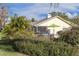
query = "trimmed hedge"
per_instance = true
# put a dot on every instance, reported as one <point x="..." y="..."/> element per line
<point x="41" y="48"/>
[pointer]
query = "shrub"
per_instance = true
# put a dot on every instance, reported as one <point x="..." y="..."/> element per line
<point x="1" y="35"/>
<point x="62" y="49"/>
<point x="70" y="37"/>
<point x="41" y="48"/>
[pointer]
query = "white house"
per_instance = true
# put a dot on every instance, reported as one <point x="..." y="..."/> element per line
<point x="52" y="25"/>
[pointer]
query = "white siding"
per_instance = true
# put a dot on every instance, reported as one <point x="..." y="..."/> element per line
<point x="56" y="21"/>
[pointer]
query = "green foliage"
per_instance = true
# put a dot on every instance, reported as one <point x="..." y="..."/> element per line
<point x="75" y="20"/>
<point x="19" y="27"/>
<point x="0" y="25"/>
<point x="70" y="36"/>
<point x="63" y="15"/>
<point x="20" y="23"/>
<point x="43" y="48"/>
<point x="7" y="50"/>
<point x="33" y="20"/>
<point x="1" y="35"/>
<point x="61" y="48"/>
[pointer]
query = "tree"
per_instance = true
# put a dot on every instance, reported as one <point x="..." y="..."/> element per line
<point x="61" y="14"/>
<point x="18" y="28"/>
<point x="75" y="19"/>
<point x="33" y="19"/>
<point x="19" y="23"/>
<point x="3" y="15"/>
<point x="0" y="24"/>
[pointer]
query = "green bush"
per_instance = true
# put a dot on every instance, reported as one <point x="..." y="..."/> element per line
<point x="41" y="48"/>
<point x="70" y="36"/>
<point x="18" y="28"/>
<point x="62" y="49"/>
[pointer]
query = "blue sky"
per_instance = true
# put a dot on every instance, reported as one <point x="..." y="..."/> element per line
<point x="40" y="10"/>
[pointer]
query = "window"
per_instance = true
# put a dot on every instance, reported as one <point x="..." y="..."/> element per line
<point x="43" y="30"/>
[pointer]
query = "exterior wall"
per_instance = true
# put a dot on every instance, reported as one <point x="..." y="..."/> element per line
<point x="61" y="25"/>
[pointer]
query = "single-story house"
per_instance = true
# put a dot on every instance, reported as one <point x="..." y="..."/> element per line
<point x="52" y="25"/>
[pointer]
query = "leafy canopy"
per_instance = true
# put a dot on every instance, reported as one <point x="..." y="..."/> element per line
<point x="18" y="27"/>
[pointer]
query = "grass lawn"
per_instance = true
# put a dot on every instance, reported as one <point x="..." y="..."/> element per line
<point x="7" y="50"/>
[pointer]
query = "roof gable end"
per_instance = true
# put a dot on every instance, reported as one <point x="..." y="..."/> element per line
<point x="48" y="19"/>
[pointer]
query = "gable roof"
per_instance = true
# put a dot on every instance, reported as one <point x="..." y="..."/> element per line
<point x="45" y="20"/>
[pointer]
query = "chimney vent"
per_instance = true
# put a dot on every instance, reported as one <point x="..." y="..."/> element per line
<point x="49" y="15"/>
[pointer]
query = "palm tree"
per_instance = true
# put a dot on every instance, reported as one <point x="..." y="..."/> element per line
<point x="19" y="23"/>
<point x="18" y="27"/>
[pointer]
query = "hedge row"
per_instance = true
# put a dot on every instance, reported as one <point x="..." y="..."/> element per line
<point x="41" y="48"/>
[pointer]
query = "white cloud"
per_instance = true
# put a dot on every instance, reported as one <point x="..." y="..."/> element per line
<point x="34" y="11"/>
<point x="44" y="8"/>
<point x="71" y="15"/>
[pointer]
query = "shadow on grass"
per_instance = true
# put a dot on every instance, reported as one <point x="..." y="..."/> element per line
<point x="6" y="45"/>
<point x="6" y="49"/>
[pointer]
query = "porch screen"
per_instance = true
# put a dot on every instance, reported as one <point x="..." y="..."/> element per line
<point x="43" y="30"/>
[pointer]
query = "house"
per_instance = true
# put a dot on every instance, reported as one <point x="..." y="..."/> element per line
<point x="52" y="25"/>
